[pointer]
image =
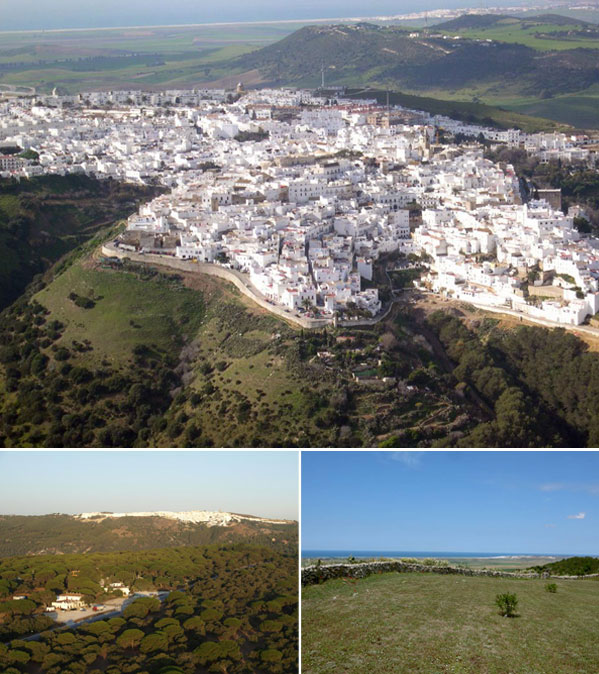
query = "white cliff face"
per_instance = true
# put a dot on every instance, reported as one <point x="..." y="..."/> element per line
<point x="210" y="518"/>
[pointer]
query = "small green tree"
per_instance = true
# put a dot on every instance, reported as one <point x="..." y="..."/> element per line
<point x="551" y="587"/>
<point x="507" y="604"/>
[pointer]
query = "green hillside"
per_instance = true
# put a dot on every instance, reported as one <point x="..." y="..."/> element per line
<point x="572" y="566"/>
<point x="470" y="112"/>
<point x="63" y="534"/>
<point x="545" y="32"/>
<point x="468" y="69"/>
<point x="43" y="218"/>
<point x="101" y="353"/>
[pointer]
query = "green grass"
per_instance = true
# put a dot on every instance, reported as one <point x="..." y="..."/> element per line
<point x="468" y="111"/>
<point x="128" y="311"/>
<point x="433" y="624"/>
<point x="125" y="56"/>
<point x="579" y="110"/>
<point x="10" y="205"/>
<point x="180" y="69"/>
<point x="532" y="33"/>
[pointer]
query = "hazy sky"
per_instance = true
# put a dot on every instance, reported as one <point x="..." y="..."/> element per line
<point x="510" y="502"/>
<point x="33" y="14"/>
<point x="248" y="482"/>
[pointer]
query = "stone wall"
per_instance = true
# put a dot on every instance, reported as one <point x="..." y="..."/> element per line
<point x="239" y="280"/>
<point x="312" y="575"/>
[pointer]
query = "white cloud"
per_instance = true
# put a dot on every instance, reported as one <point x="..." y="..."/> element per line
<point x="580" y="516"/>
<point x="552" y="486"/>
<point x="590" y="487"/>
<point x="410" y="459"/>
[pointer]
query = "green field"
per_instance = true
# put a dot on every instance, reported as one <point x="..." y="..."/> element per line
<point x="432" y="624"/>
<point x="580" y="110"/>
<point x="456" y="107"/>
<point x="536" y="33"/>
<point x="130" y="57"/>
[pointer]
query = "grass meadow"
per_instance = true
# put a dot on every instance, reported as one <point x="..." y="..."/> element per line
<point x="437" y="624"/>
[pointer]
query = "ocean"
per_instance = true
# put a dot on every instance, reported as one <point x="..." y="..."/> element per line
<point x="72" y="14"/>
<point x="422" y="553"/>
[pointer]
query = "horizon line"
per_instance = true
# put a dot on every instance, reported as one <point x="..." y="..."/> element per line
<point x="379" y="17"/>
<point x="120" y="512"/>
<point x="454" y="552"/>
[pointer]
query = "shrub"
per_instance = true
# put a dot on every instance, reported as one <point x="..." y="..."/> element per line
<point x="551" y="587"/>
<point x="507" y="604"/>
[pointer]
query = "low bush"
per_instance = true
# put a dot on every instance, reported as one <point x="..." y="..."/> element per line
<point x="551" y="587"/>
<point x="507" y="604"/>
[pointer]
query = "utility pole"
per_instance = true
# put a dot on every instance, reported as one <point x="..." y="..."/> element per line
<point x="322" y="76"/>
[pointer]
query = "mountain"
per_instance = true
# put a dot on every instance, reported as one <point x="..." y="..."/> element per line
<point x="553" y="67"/>
<point x="112" y="532"/>
<point x="467" y="21"/>
<point x="369" y="54"/>
<point x="483" y="21"/>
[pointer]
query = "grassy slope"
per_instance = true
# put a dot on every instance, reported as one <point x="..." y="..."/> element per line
<point x="539" y="33"/>
<point x="468" y="111"/>
<point x="244" y="377"/>
<point x="205" y="325"/>
<point x="432" y="623"/>
<point x="128" y="311"/>
<point x="44" y="218"/>
<point x="578" y="109"/>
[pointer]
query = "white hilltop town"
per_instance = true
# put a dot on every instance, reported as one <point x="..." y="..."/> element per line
<point x="295" y="197"/>
<point x="208" y="517"/>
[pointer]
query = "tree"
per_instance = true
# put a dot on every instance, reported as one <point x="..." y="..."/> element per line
<point x="157" y="641"/>
<point x="130" y="638"/>
<point x="507" y="604"/>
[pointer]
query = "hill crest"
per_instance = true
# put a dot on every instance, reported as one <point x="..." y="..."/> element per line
<point x="208" y="517"/>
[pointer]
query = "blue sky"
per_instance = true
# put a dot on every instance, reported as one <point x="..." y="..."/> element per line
<point x="248" y="482"/>
<point x="510" y="502"/>
<point x="49" y="14"/>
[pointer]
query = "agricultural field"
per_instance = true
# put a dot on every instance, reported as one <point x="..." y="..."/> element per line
<point x="127" y="58"/>
<point x="544" y="33"/>
<point x="428" y="623"/>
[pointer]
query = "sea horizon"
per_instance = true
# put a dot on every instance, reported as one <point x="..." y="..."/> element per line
<point x="155" y="18"/>
<point x="429" y="554"/>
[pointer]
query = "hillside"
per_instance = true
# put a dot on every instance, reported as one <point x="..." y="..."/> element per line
<point x="43" y="218"/>
<point x="468" y="68"/>
<point x="483" y="21"/>
<point x="572" y="566"/>
<point x="66" y="534"/>
<point x="118" y="355"/>
<point x="365" y="53"/>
